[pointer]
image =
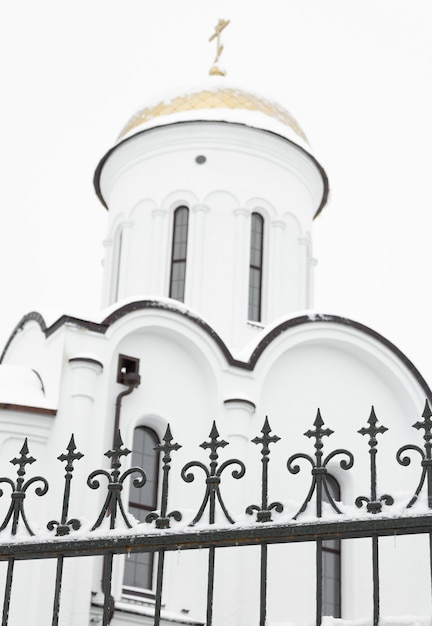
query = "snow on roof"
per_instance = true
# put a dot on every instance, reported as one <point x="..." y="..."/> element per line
<point x="23" y="386"/>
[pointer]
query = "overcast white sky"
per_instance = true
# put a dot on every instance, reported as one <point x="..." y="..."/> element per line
<point x="355" y="73"/>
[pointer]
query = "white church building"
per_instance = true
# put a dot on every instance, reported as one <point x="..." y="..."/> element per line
<point x="207" y="316"/>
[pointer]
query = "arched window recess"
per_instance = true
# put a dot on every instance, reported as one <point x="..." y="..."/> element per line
<point x="139" y="566"/>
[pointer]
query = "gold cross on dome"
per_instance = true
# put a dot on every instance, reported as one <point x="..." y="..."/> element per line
<point x="215" y="70"/>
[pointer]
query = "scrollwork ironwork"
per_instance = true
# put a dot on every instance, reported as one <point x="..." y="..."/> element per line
<point x="213" y="477"/>
<point x="19" y="488"/>
<point x="113" y="500"/>
<point x="426" y="456"/>
<point x="319" y="467"/>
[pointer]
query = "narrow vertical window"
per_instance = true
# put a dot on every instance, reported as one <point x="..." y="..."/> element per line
<point x="331" y="552"/>
<point x="138" y="572"/>
<point x="179" y="252"/>
<point x="256" y="267"/>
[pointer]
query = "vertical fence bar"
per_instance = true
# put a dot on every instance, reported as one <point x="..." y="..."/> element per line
<point x="430" y="557"/>
<point x="108" y="607"/>
<point x="375" y="574"/>
<point x="8" y="589"/>
<point x="319" y="582"/>
<point x="162" y="520"/>
<point x="159" y="583"/>
<point x="263" y="585"/>
<point x="264" y="511"/>
<point x="57" y="591"/>
<point x="210" y="586"/>
<point x="65" y="525"/>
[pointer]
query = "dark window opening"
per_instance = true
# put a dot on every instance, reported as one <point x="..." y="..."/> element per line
<point x="138" y="571"/>
<point x="256" y="267"/>
<point x="331" y="553"/>
<point x="179" y="252"/>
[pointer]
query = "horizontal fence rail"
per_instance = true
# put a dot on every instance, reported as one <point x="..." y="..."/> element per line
<point x="115" y="532"/>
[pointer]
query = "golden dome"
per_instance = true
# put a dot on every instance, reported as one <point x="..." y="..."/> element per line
<point x="228" y="98"/>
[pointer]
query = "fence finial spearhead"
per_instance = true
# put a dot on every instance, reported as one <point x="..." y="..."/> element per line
<point x="318" y="433"/>
<point x="426" y="424"/>
<point x="373" y="429"/>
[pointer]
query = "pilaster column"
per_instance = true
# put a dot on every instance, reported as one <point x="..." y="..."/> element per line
<point x="311" y="282"/>
<point x="160" y="253"/>
<point x="124" y="254"/>
<point x="240" y="269"/>
<point x="237" y="426"/>
<point x="307" y="263"/>
<point x="276" y="287"/>
<point x="195" y="261"/>
<point x="85" y="371"/>
<point x="238" y="413"/>
<point x="107" y="274"/>
<point x="82" y="421"/>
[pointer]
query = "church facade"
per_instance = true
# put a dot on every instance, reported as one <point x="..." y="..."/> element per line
<point x="207" y="317"/>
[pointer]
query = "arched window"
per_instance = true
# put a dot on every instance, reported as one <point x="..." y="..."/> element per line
<point x="256" y="267"/>
<point x="179" y="252"/>
<point x="138" y="572"/>
<point x="331" y="567"/>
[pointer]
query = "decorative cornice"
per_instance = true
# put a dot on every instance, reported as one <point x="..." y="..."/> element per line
<point x="27" y="409"/>
<point x="85" y="359"/>
<point x="98" y="172"/>
<point x="251" y="405"/>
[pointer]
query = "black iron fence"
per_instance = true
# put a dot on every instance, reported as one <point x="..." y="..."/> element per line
<point x="163" y="530"/>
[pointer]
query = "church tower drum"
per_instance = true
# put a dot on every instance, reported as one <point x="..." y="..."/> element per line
<point x="212" y="194"/>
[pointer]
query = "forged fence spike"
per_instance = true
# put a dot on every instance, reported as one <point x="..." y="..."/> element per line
<point x="65" y="525"/>
<point x="266" y="427"/>
<point x="263" y="512"/>
<point x="318" y="420"/>
<point x="318" y="433"/>
<point x="426" y="424"/>
<point x="373" y="503"/>
<point x="214" y="433"/>
<point x="162" y="520"/>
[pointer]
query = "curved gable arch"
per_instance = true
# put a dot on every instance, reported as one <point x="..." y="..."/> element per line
<point x="220" y="347"/>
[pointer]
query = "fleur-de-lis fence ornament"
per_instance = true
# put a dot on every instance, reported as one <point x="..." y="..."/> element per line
<point x="213" y="477"/>
<point x="113" y="500"/>
<point x="64" y="526"/>
<point x="264" y="511"/>
<point x="319" y="467"/>
<point x="162" y="519"/>
<point x="426" y="456"/>
<point x="373" y="504"/>
<point x="16" y="508"/>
